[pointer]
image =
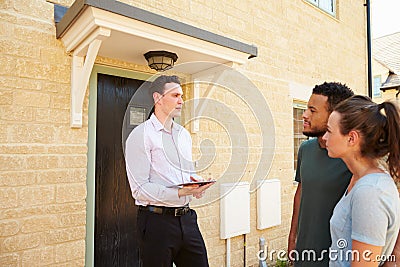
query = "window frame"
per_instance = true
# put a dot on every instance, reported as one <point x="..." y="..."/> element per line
<point x="319" y="4"/>
<point x="377" y="92"/>
<point x="300" y="105"/>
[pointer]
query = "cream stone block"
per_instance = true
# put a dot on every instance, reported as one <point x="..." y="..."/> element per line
<point x="39" y="224"/>
<point x="62" y="2"/>
<point x="9" y="17"/>
<point x="16" y="113"/>
<point x="254" y="128"/>
<point x="72" y="161"/>
<point x="8" y="65"/>
<point x="23" y="212"/>
<point x="54" y="56"/>
<point x="6" y="4"/>
<point x="70" y="192"/>
<point x="58" y="236"/>
<point x="60" y="73"/>
<point x="32" y="69"/>
<point x="36" y="195"/>
<point x="35" y="36"/>
<point x="60" y="101"/>
<point x="6" y="97"/>
<point x="36" y="9"/>
<point x="19" y="48"/>
<point x="42" y="162"/>
<point x="73" y="219"/>
<point x="42" y="115"/>
<point x="45" y="26"/>
<point x="66" y="135"/>
<point x="203" y="11"/>
<point x="70" y="251"/>
<point x="12" y="163"/>
<point x="34" y="133"/>
<point x="38" y="257"/>
<point x="19" y="242"/>
<point x="216" y="250"/>
<point x="9" y="259"/>
<point x="56" y="87"/>
<point x="9" y="228"/>
<point x="237" y="258"/>
<point x="22" y="149"/>
<point x="240" y="23"/>
<point x="12" y="178"/>
<point x="31" y="99"/>
<point x="60" y="176"/>
<point x="10" y="83"/>
<point x="255" y="140"/>
<point x="59" y="116"/>
<point x="68" y="149"/>
<point x="62" y="208"/>
<point x="217" y="261"/>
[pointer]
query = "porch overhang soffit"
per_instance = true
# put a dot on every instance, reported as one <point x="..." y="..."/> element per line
<point x="119" y="31"/>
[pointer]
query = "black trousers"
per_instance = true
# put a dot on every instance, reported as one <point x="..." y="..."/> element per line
<point x="166" y="239"/>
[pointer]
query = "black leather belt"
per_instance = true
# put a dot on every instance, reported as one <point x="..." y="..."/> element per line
<point x="175" y="211"/>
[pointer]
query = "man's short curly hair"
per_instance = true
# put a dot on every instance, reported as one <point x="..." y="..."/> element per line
<point x="336" y="92"/>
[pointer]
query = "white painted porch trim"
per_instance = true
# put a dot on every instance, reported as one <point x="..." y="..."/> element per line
<point x="84" y="38"/>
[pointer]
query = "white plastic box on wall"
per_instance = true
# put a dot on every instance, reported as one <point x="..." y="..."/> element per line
<point x="268" y="203"/>
<point x="235" y="209"/>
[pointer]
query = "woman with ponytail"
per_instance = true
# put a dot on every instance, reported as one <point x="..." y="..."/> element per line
<point x="365" y="222"/>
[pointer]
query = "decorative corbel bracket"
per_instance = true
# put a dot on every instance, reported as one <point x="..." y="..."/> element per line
<point x="83" y="58"/>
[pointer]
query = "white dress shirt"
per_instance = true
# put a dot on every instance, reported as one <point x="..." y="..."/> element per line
<point x="157" y="159"/>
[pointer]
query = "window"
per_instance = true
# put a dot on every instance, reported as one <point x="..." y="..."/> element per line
<point x="326" y="5"/>
<point x="377" y="86"/>
<point x="298" y="136"/>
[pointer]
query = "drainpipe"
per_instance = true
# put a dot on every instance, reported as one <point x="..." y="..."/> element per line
<point x="228" y="252"/>
<point x="263" y="254"/>
<point x="244" y="250"/>
<point x="369" y="49"/>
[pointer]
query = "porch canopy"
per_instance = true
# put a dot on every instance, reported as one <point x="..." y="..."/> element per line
<point x="116" y="30"/>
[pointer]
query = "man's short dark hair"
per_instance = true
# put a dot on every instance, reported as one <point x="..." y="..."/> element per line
<point x="158" y="84"/>
<point x="336" y="92"/>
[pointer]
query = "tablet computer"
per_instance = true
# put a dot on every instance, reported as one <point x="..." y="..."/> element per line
<point x="200" y="183"/>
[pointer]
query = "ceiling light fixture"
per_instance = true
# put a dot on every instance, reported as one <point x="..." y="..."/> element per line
<point x="160" y="60"/>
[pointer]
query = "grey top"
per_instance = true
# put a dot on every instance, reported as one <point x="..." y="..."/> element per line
<point x="369" y="213"/>
<point x="323" y="182"/>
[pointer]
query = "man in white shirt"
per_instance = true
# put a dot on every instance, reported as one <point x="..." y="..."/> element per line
<point x="159" y="157"/>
